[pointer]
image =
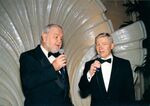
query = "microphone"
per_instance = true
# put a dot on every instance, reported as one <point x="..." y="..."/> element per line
<point x="63" y="71"/>
<point x="61" y="51"/>
<point x="97" y="58"/>
<point x="97" y="69"/>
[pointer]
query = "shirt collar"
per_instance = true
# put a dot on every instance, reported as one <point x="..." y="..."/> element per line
<point x="44" y="51"/>
<point x="110" y="56"/>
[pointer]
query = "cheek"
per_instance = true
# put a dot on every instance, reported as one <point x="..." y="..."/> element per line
<point x="50" y="41"/>
<point x="97" y="48"/>
<point x="109" y="49"/>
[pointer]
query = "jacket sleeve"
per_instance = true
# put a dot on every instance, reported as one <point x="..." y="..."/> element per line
<point x="84" y="84"/>
<point x="130" y="83"/>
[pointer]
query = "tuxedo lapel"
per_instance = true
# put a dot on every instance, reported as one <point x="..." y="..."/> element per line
<point x="100" y="81"/>
<point x="113" y="73"/>
<point x="39" y="55"/>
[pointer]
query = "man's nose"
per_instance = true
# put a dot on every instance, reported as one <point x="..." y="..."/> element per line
<point x="59" y="40"/>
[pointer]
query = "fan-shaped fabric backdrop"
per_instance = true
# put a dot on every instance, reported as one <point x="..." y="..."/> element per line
<point x="21" y="23"/>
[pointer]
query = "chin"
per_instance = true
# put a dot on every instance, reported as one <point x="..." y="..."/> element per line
<point x="54" y="51"/>
<point x="102" y="56"/>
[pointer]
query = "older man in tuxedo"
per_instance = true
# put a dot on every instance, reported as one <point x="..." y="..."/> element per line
<point x="43" y="71"/>
<point x="107" y="78"/>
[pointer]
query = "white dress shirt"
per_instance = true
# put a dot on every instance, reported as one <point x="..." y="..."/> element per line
<point x="51" y="58"/>
<point x="106" y="71"/>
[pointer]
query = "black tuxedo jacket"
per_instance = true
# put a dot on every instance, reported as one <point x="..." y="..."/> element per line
<point x="121" y="87"/>
<point x="41" y="84"/>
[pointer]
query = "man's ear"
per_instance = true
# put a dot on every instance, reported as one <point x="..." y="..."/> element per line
<point x="43" y="37"/>
<point x="112" y="46"/>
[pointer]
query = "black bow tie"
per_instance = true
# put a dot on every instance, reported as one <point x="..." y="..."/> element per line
<point x="54" y="54"/>
<point x="102" y="60"/>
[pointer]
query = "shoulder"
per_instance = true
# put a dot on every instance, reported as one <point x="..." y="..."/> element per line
<point x="90" y="62"/>
<point x="121" y="60"/>
<point x="30" y="53"/>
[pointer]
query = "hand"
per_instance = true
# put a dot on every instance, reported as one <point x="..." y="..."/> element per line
<point x="94" y="67"/>
<point x="59" y="62"/>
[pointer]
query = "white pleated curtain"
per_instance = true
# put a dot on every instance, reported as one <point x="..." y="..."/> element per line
<point x="21" y="23"/>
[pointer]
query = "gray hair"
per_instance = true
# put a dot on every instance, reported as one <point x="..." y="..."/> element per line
<point x="49" y="26"/>
<point x="104" y="35"/>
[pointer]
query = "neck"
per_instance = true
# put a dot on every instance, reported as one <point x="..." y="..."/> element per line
<point x="106" y="57"/>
